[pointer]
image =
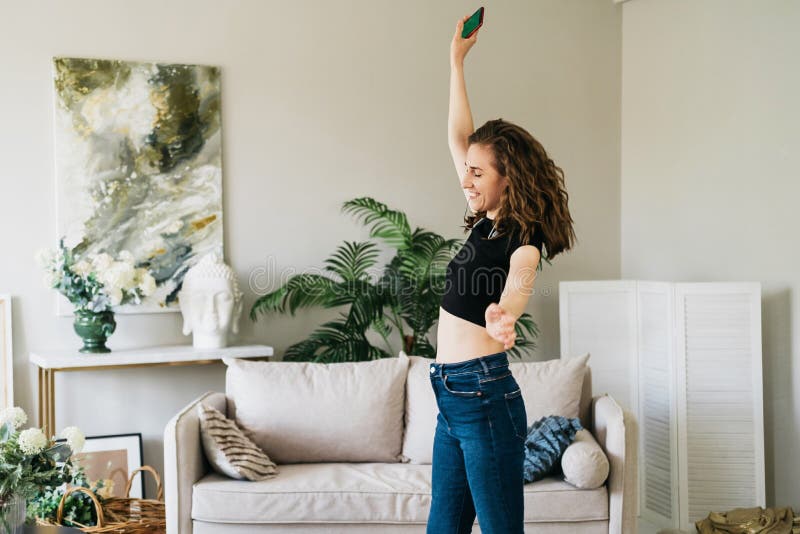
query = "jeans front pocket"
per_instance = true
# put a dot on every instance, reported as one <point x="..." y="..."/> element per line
<point x="462" y="385"/>
<point x="515" y="406"/>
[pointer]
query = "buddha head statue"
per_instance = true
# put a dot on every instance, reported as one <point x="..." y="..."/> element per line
<point x="211" y="302"/>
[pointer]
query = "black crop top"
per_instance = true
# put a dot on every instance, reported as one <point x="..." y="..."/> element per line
<point x="476" y="276"/>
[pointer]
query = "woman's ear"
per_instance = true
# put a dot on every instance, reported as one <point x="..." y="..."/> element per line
<point x="505" y="183"/>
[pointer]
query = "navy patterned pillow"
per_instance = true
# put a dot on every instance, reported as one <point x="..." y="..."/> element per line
<point x="547" y="440"/>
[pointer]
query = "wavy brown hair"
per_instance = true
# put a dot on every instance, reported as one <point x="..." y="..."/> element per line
<point x="536" y="193"/>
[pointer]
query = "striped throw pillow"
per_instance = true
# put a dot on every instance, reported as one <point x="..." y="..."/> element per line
<point x="229" y="451"/>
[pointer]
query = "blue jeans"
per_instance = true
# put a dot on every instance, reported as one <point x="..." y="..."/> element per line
<point x="478" y="448"/>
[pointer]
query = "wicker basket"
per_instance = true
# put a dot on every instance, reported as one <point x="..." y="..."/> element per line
<point x="121" y="515"/>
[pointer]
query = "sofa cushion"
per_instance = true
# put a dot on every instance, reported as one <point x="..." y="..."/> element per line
<point x="584" y="463"/>
<point x="421" y="412"/>
<point x="228" y="450"/>
<point x="320" y="412"/>
<point x="550" y="387"/>
<point x="367" y="492"/>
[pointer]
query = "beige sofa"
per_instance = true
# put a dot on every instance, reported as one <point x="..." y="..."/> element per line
<point x="354" y="494"/>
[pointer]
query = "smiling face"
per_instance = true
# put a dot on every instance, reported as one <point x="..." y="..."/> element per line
<point x="481" y="180"/>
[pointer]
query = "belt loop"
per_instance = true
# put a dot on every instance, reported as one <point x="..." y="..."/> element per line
<point x="485" y="367"/>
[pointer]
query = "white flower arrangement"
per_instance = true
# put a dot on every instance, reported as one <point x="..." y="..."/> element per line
<point x="32" y="441"/>
<point x="14" y="415"/>
<point x="95" y="282"/>
<point x="29" y="460"/>
<point x="75" y="438"/>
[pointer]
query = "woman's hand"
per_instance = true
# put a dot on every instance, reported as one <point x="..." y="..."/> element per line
<point x="460" y="46"/>
<point x="500" y="325"/>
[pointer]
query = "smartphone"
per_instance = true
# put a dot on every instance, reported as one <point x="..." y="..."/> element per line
<point x="472" y="24"/>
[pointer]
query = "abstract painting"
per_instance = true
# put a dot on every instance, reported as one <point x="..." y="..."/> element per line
<point x="139" y="166"/>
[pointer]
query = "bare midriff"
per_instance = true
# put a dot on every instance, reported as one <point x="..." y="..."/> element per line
<point x="458" y="340"/>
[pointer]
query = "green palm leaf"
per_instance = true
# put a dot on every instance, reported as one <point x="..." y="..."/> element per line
<point x="367" y="307"/>
<point x="389" y="225"/>
<point x="303" y="290"/>
<point x="420" y="269"/>
<point x="429" y="253"/>
<point x="305" y="350"/>
<point x="333" y="342"/>
<point x="352" y="260"/>
<point x="382" y="327"/>
<point x="423" y="347"/>
<point x="524" y="327"/>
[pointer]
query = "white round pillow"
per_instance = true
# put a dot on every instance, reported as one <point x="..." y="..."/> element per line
<point x="584" y="463"/>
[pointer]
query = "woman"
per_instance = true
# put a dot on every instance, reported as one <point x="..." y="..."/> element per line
<point x="519" y="202"/>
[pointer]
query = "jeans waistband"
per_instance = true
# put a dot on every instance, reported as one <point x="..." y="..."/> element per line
<point x="481" y="364"/>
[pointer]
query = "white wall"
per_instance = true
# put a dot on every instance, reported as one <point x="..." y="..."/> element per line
<point x="322" y="102"/>
<point x="710" y="181"/>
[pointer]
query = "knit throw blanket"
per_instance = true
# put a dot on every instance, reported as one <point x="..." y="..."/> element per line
<point x="547" y="440"/>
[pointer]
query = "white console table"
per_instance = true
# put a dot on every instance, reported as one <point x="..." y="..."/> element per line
<point x="49" y="362"/>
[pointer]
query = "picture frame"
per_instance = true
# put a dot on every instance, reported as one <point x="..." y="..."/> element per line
<point x="113" y="457"/>
<point x="6" y="354"/>
<point x="166" y="190"/>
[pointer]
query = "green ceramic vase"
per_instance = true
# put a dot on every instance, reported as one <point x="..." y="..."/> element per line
<point x="94" y="328"/>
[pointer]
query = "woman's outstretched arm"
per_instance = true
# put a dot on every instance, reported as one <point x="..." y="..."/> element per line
<point x="459" y="120"/>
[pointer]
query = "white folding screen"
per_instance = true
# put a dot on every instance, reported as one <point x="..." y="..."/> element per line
<point x="600" y="317"/>
<point x="719" y="368"/>
<point x="658" y="417"/>
<point x="686" y="359"/>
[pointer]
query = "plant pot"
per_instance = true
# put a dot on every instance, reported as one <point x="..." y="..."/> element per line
<point x="12" y="515"/>
<point x="94" y="328"/>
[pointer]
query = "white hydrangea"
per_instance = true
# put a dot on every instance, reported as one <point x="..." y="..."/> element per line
<point x="101" y="262"/>
<point x="114" y="295"/>
<point x="32" y="441"/>
<point x="75" y="438"/>
<point x="15" y="415"/>
<point x="81" y="268"/>
<point x="147" y="284"/>
<point x="120" y="275"/>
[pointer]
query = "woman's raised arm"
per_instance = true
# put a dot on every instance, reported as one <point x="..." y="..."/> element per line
<point x="459" y="119"/>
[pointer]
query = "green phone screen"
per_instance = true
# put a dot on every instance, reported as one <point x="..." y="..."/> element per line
<point x="472" y="23"/>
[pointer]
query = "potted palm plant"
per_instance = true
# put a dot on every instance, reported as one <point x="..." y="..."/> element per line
<point x="405" y="298"/>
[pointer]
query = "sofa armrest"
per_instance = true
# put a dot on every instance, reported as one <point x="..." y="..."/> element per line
<point x="185" y="462"/>
<point x="617" y="432"/>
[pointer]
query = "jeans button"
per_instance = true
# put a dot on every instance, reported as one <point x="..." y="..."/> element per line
<point x="432" y="370"/>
